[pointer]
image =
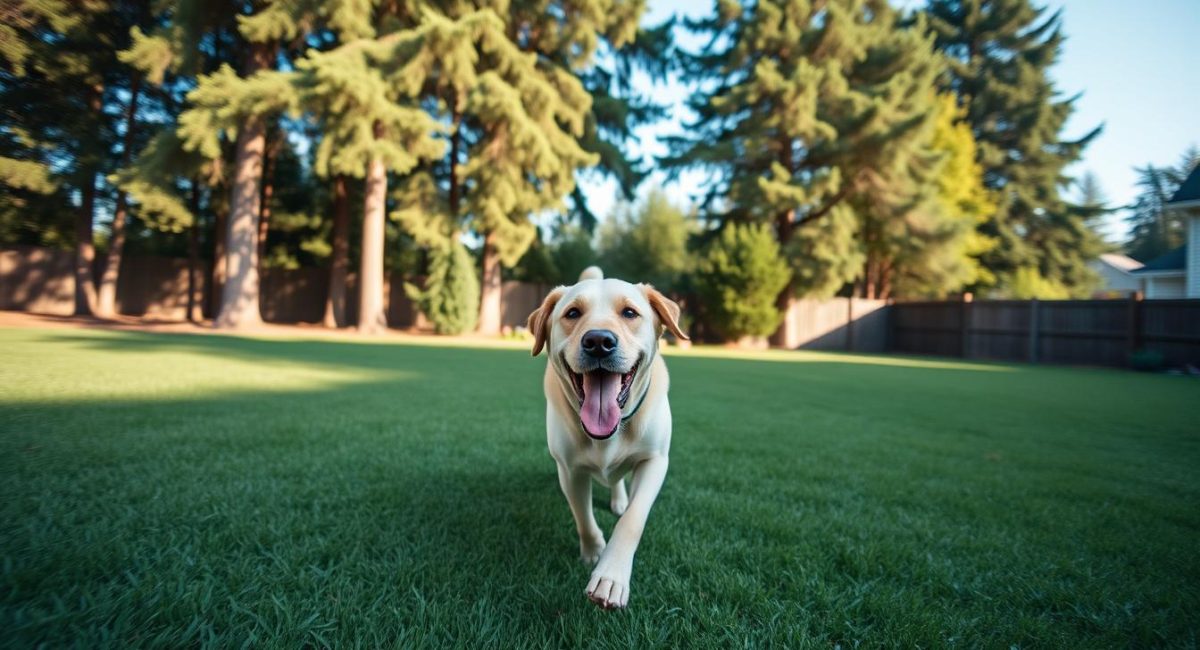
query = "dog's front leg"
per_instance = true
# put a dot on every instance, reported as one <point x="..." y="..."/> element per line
<point x="609" y="585"/>
<point x="577" y="487"/>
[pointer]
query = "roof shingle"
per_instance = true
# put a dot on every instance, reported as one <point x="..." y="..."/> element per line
<point x="1190" y="190"/>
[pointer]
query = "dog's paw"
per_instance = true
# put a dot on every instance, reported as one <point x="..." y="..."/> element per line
<point x="591" y="550"/>
<point x="609" y="588"/>
<point x="618" y="503"/>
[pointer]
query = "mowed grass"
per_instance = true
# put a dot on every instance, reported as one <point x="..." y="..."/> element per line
<point x="176" y="490"/>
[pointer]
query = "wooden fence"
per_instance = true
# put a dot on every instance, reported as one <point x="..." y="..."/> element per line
<point x="1075" y="332"/>
<point x="42" y="280"/>
<point x="1078" y="332"/>
<point x="846" y="324"/>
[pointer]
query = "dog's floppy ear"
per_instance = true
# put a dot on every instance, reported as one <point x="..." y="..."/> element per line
<point x="666" y="309"/>
<point x="539" y="320"/>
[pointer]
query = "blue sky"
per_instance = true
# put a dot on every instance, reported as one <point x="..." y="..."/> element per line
<point x="1137" y="65"/>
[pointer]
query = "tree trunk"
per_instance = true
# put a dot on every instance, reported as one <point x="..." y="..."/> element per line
<point x="85" y="250"/>
<point x="372" y="319"/>
<point x="268" y="190"/>
<point x="782" y="338"/>
<point x="884" y="290"/>
<point x="490" y="297"/>
<point x="85" y="247"/>
<point x="194" y="255"/>
<point x="106" y="300"/>
<point x="239" y="296"/>
<point x="217" y="281"/>
<point x="335" y="300"/>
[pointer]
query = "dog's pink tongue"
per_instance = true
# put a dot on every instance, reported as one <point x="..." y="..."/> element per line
<point x="600" y="412"/>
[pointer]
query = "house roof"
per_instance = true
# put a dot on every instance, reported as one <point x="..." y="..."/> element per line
<point x="1188" y="194"/>
<point x="1175" y="260"/>
<point x="1121" y="262"/>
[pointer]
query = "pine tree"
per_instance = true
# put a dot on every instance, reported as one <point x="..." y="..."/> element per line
<point x="106" y="297"/>
<point x="1091" y="193"/>
<point x="809" y="114"/>
<point x="366" y="93"/>
<point x="239" y="103"/>
<point x="450" y="298"/>
<point x="738" y="278"/>
<point x="618" y="108"/>
<point x="648" y="243"/>
<point x="517" y="113"/>
<point x="30" y="191"/>
<point x="940" y="254"/>
<point x="339" y="263"/>
<point x="1000" y="53"/>
<point x="171" y="188"/>
<point x="1153" y="230"/>
<point x="61" y="70"/>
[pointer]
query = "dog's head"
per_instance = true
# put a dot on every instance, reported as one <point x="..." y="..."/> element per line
<point x="601" y="335"/>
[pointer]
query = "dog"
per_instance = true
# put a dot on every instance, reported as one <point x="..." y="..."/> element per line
<point x="607" y="413"/>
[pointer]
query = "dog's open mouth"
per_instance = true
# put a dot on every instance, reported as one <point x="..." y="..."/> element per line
<point x="602" y="395"/>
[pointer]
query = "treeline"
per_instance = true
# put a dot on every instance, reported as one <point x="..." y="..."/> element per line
<point x="847" y="148"/>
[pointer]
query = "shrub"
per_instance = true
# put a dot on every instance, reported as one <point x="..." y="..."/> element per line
<point x="647" y="243"/>
<point x="738" y="278"/>
<point x="1147" y="360"/>
<point x="450" y="299"/>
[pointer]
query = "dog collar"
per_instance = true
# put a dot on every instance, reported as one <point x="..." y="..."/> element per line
<point x="649" y="369"/>
<point x="632" y="413"/>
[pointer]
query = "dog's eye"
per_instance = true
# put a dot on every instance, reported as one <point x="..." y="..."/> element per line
<point x="628" y="312"/>
<point x="573" y="313"/>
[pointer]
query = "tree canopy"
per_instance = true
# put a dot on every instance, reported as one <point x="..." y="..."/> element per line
<point x="885" y="152"/>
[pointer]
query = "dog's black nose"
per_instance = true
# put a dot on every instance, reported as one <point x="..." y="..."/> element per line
<point x="599" y="343"/>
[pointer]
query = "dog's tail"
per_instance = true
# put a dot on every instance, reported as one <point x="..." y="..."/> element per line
<point x="591" y="273"/>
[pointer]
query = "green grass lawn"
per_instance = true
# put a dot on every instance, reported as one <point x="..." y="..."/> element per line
<point x="180" y="490"/>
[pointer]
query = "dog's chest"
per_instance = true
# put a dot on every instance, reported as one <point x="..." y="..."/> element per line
<point x="610" y="460"/>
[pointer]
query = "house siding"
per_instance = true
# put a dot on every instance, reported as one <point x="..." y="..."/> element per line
<point x="1168" y="287"/>
<point x="1114" y="280"/>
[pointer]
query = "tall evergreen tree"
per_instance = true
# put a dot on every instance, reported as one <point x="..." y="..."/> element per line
<point x="173" y="188"/>
<point x="235" y="102"/>
<point x="1000" y="54"/>
<point x="106" y="297"/>
<point x="810" y="114"/>
<point x="61" y="72"/>
<point x="516" y="111"/>
<point x="939" y="251"/>
<point x="618" y="108"/>
<point x="31" y="193"/>
<point x="366" y="94"/>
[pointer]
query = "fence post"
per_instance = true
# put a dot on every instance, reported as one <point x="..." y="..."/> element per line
<point x="965" y="323"/>
<point x="1135" y="323"/>
<point x="1033" y="330"/>
<point x="889" y="330"/>
<point x="850" y="324"/>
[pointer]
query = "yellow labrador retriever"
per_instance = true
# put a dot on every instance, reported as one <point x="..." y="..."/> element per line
<point x="606" y="411"/>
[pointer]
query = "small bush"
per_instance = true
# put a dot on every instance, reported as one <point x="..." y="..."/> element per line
<point x="1147" y="360"/>
<point x="450" y="299"/>
<point x="738" y="277"/>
